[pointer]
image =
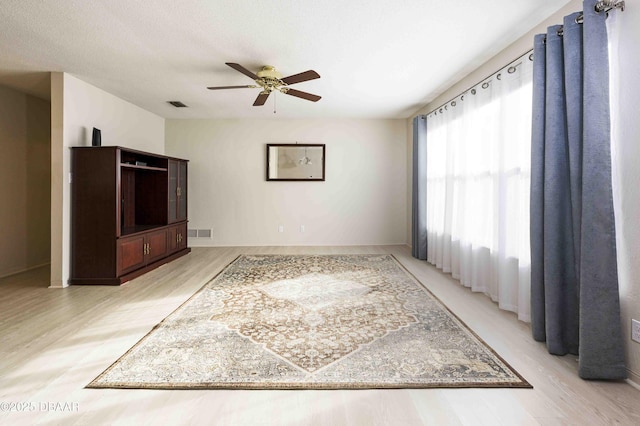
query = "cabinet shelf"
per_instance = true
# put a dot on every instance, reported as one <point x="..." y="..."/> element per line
<point x="135" y="166"/>
<point x="136" y="229"/>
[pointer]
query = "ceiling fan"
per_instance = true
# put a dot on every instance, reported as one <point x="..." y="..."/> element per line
<point x="269" y="79"/>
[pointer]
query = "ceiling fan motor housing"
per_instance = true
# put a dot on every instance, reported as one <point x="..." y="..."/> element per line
<point x="269" y="72"/>
<point x="270" y="79"/>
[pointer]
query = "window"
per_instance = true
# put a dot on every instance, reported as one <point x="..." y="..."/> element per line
<point x="478" y="177"/>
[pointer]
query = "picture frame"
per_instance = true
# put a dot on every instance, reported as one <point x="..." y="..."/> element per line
<point x="296" y="162"/>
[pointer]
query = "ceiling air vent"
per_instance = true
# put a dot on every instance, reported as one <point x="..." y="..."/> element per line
<point x="177" y="104"/>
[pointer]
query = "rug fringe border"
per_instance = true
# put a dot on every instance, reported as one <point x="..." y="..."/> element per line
<point x="310" y="386"/>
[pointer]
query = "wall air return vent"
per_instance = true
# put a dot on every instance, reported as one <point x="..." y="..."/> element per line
<point x="199" y="233"/>
<point x="204" y="233"/>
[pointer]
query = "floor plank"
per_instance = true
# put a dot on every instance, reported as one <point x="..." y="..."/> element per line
<point x="53" y="342"/>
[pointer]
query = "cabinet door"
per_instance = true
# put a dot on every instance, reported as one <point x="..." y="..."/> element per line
<point x="182" y="191"/>
<point x="131" y="254"/>
<point x="173" y="190"/>
<point x="156" y="245"/>
<point x="182" y="236"/>
<point x="177" y="237"/>
<point x="172" y="238"/>
<point x="177" y="191"/>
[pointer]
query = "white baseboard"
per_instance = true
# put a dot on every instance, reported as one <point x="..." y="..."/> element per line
<point x="58" y="285"/>
<point x="633" y="380"/>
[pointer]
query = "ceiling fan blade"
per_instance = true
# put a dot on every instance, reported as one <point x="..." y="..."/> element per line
<point x="243" y="70"/>
<point x="261" y="99"/>
<point x="231" y="87"/>
<point x="303" y="95"/>
<point x="303" y="76"/>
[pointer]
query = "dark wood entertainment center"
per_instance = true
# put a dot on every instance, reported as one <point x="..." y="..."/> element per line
<point x="128" y="213"/>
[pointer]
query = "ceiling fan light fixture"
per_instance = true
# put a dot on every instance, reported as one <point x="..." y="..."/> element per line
<point x="269" y="71"/>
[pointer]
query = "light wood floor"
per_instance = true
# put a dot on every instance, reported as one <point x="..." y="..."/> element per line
<point x="53" y="342"/>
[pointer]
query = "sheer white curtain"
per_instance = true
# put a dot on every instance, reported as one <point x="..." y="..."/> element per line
<point x="478" y="173"/>
<point x="617" y="149"/>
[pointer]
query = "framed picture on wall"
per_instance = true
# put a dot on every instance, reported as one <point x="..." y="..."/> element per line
<point x="291" y="162"/>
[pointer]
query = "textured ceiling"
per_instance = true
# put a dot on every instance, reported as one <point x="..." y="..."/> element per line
<point x="377" y="58"/>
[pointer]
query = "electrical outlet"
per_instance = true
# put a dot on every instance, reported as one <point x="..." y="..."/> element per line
<point x="635" y="330"/>
<point x="281" y="228"/>
<point x="301" y="228"/>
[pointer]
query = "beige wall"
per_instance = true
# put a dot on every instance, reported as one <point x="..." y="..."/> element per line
<point x="24" y="181"/>
<point x="76" y="108"/>
<point x="627" y="147"/>
<point x="511" y="52"/>
<point x="362" y="201"/>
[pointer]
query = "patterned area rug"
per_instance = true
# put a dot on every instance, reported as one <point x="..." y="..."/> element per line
<point x="310" y="322"/>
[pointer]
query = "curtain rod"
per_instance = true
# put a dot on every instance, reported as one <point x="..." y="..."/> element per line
<point x="604" y="6"/>
<point x="509" y="64"/>
<point x="607" y="5"/>
<point x="601" y="6"/>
